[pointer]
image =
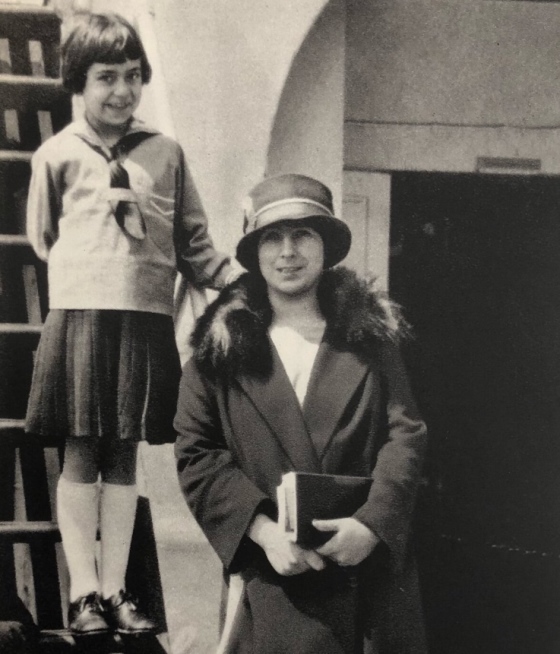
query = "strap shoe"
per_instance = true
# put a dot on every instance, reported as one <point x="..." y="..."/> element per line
<point x="85" y="616"/>
<point x="124" y="616"/>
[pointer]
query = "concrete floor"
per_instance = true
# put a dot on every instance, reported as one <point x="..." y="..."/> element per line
<point x="190" y="570"/>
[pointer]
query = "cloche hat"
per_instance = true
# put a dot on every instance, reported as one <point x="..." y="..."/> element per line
<point x="287" y="198"/>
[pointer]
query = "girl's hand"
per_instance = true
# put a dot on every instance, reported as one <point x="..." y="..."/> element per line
<point x="351" y="543"/>
<point x="285" y="557"/>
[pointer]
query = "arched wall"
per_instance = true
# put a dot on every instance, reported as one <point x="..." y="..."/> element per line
<point x="307" y="136"/>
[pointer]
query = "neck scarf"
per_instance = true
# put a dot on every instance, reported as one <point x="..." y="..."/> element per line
<point x="125" y="207"/>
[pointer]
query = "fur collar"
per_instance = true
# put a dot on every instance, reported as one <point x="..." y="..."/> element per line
<point x="231" y="336"/>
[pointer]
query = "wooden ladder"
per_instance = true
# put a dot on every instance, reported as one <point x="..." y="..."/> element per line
<point x="33" y="106"/>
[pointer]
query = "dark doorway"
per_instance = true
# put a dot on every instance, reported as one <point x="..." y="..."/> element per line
<point x="475" y="262"/>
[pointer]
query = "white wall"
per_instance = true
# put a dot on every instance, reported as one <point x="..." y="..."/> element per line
<point x="473" y="77"/>
<point x="225" y="64"/>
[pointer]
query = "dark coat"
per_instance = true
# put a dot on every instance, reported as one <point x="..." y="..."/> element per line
<point x="240" y="427"/>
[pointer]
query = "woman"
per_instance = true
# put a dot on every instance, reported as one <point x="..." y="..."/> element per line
<point x="296" y="367"/>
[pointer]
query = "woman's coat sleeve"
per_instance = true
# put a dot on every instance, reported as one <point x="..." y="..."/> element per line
<point x="398" y="467"/>
<point x="196" y="257"/>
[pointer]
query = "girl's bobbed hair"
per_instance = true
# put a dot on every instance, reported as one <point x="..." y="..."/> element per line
<point x="100" y="38"/>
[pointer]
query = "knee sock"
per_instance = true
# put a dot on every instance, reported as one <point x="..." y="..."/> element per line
<point x="118" y="510"/>
<point x="78" y="512"/>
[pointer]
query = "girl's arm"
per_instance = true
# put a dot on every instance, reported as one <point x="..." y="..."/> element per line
<point x="44" y="204"/>
<point x="196" y="257"/>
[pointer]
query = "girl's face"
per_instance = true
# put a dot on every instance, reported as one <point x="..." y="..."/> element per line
<point x="291" y="259"/>
<point x="111" y="95"/>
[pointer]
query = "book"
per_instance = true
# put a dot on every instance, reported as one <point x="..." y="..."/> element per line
<point x="306" y="496"/>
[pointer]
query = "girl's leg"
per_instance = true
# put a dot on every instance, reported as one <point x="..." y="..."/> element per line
<point x="118" y="511"/>
<point x="78" y="511"/>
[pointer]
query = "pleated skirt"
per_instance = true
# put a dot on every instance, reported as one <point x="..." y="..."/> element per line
<point x="106" y="374"/>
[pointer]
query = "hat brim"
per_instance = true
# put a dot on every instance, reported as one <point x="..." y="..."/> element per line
<point x="335" y="234"/>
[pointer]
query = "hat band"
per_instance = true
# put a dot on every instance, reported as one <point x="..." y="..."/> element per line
<point x="298" y="208"/>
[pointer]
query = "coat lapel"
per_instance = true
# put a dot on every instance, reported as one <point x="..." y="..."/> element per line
<point x="278" y="406"/>
<point x="335" y="377"/>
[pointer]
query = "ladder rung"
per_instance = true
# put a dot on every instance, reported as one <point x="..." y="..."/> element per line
<point x="14" y="239"/>
<point x="30" y="10"/>
<point x="20" y="328"/>
<point x="28" y="22"/>
<point x="57" y="641"/>
<point x="12" y="434"/>
<point x="29" y="81"/>
<point x="27" y="531"/>
<point x="18" y="247"/>
<point x="26" y="93"/>
<point x="8" y="426"/>
<point x="9" y="156"/>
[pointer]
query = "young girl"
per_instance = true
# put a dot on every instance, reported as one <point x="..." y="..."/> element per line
<point x="113" y="209"/>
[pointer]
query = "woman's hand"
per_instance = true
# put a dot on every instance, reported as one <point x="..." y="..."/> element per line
<point x="351" y="543"/>
<point x="285" y="557"/>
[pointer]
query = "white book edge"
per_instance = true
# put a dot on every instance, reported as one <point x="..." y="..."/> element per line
<point x="287" y="505"/>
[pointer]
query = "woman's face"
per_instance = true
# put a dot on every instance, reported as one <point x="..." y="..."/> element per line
<point x="291" y="259"/>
